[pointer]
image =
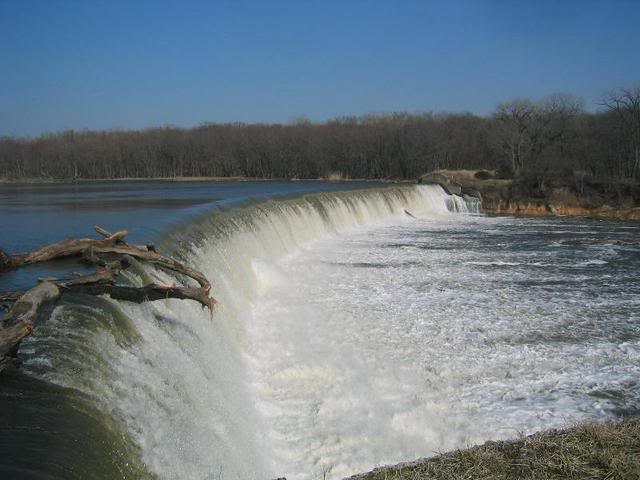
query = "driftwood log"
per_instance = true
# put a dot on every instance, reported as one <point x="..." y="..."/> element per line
<point x="111" y="255"/>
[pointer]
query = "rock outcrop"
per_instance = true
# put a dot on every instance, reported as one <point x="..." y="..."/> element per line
<point x="504" y="196"/>
<point x="445" y="181"/>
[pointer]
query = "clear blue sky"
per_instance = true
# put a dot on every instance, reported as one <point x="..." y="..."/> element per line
<point x="131" y="64"/>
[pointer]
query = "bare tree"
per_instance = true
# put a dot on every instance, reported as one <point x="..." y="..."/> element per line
<point x="553" y="136"/>
<point x="625" y="103"/>
<point x="515" y="125"/>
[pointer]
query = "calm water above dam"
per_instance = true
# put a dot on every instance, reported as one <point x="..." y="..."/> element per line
<point x="35" y="214"/>
<point x="348" y="334"/>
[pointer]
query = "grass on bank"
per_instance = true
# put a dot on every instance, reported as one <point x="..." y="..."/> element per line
<point x="589" y="451"/>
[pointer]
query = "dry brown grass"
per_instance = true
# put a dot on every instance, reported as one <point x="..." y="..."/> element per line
<point x="590" y="451"/>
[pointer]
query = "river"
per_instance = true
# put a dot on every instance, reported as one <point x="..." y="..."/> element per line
<point x="357" y="325"/>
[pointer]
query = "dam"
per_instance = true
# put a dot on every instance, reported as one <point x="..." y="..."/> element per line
<point x="355" y="327"/>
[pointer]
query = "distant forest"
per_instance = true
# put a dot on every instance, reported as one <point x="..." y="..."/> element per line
<point x="551" y="138"/>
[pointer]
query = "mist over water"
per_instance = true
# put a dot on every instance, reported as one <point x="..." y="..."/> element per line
<point x="355" y="329"/>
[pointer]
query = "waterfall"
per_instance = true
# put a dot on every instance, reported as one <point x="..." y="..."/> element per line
<point x="177" y="382"/>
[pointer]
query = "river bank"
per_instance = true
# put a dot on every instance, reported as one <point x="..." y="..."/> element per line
<point x="593" y="198"/>
<point x="593" y="450"/>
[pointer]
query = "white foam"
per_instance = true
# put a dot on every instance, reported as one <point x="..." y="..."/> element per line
<point x="313" y="366"/>
<point x="595" y="261"/>
<point x="186" y="387"/>
<point x="359" y="367"/>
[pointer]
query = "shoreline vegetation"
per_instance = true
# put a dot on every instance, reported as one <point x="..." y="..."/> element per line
<point x="535" y="141"/>
<point x="540" y="157"/>
<point x="586" y="451"/>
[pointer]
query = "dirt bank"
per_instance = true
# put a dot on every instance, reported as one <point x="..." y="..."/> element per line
<point x="592" y="197"/>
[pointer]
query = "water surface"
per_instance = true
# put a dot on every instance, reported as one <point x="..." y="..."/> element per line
<point x="33" y="215"/>
<point x="348" y="333"/>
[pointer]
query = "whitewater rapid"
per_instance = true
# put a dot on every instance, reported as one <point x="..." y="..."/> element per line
<point x="410" y="340"/>
<point x="353" y="329"/>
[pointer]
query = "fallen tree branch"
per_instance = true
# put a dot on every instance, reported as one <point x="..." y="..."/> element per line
<point x="66" y="248"/>
<point x="116" y="237"/>
<point x="102" y="282"/>
<point x="148" y="293"/>
<point x="88" y="248"/>
<point x="10" y="296"/>
<point x="156" y="259"/>
<point x="19" y="321"/>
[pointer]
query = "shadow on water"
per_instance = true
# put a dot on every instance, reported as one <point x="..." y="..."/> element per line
<point x="51" y="432"/>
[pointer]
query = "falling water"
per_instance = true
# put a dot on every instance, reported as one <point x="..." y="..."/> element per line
<point x="339" y="342"/>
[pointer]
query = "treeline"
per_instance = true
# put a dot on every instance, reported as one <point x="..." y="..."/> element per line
<point x="543" y="139"/>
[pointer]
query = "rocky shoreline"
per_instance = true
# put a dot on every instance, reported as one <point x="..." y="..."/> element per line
<point x="544" y="209"/>
<point x="619" y="201"/>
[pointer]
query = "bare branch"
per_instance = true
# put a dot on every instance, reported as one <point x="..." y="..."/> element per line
<point x="20" y="319"/>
